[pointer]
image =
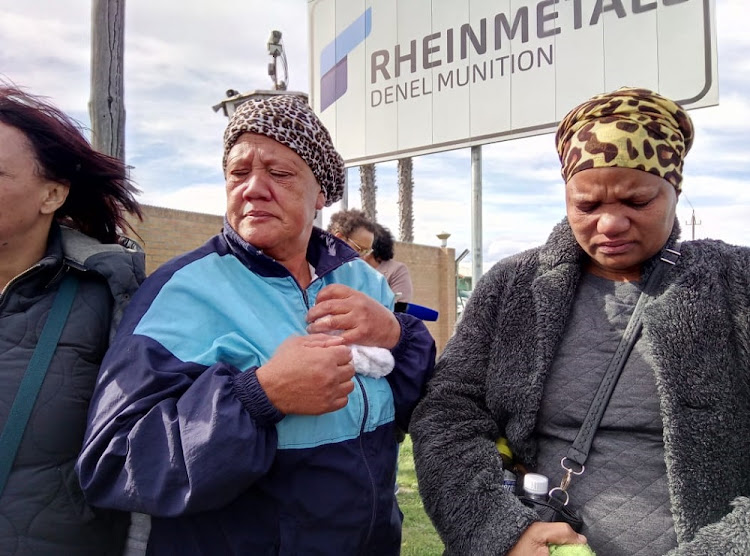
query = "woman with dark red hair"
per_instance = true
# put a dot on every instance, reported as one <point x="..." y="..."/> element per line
<point x="66" y="274"/>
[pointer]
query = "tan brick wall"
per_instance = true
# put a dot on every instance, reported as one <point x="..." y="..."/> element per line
<point x="433" y="275"/>
<point x="166" y="233"/>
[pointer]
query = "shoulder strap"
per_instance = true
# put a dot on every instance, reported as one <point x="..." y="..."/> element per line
<point x="579" y="451"/>
<point x="20" y="411"/>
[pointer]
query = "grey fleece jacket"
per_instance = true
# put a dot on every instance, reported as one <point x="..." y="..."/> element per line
<point x="490" y="378"/>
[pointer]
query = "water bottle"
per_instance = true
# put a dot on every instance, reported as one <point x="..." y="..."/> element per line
<point x="535" y="486"/>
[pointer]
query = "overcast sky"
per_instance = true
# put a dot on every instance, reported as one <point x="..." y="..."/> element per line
<point x="181" y="57"/>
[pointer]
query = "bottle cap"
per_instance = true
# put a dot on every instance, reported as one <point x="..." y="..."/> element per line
<point x="503" y="448"/>
<point x="534" y="483"/>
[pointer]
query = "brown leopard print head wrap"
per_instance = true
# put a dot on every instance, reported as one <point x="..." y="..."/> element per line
<point x="627" y="128"/>
<point x="289" y="120"/>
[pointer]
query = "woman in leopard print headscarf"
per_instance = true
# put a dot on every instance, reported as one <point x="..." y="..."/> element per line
<point x="668" y="471"/>
<point x="289" y="120"/>
<point x="629" y="128"/>
<point x="244" y="403"/>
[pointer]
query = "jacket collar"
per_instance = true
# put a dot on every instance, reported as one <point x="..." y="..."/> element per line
<point x="51" y="262"/>
<point x="324" y="252"/>
<point x="562" y="249"/>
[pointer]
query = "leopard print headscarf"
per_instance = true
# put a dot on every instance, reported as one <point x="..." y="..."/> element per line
<point x="628" y="128"/>
<point x="289" y="119"/>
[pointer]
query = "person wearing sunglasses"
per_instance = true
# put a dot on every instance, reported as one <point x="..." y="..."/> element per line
<point x="353" y="227"/>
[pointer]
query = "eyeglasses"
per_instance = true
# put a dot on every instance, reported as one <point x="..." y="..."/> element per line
<point x="363" y="252"/>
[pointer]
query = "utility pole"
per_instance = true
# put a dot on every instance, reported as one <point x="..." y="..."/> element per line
<point x="107" y="106"/>
<point x="693" y="223"/>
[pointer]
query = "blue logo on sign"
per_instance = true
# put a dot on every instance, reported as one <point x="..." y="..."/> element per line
<point x="333" y="66"/>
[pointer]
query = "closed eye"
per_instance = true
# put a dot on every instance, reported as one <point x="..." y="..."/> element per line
<point x="587" y="207"/>
<point x="279" y="173"/>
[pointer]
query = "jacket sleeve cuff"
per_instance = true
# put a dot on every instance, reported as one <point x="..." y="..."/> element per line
<point x="403" y="342"/>
<point x="254" y="399"/>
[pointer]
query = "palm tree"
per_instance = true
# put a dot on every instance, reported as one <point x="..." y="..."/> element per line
<point x="405" y="194"/>
<point x="367" y="189"/>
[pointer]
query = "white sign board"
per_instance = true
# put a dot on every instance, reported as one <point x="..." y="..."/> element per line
<point x="394" y="78"/>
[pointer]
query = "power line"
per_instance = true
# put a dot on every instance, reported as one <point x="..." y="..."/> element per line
<point x="692" y="222"/>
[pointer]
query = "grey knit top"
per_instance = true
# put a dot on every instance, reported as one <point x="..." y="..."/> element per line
<point x="627" y="455"/>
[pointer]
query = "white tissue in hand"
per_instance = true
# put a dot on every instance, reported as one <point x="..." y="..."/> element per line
<point x="372" y="361"/>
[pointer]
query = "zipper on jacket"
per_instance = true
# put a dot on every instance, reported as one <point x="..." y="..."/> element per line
<point x="305" y="297"/>
<point x="366" y="405"/>
<point x="303" y="291"/>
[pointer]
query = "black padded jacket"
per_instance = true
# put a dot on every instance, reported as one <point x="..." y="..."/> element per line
<point x="42" y="509"/>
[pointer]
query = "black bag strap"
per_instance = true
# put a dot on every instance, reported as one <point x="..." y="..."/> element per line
<point x="579" y="451"/>
<point x="20" y="411"/>
<point x="554" y="509"/>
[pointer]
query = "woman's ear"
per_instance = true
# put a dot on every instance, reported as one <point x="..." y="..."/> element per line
<point x="54" y="196"/>
<point x="320" y="200"/>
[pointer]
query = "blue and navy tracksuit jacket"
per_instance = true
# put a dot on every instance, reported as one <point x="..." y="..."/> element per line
<point x="180" y="428"/>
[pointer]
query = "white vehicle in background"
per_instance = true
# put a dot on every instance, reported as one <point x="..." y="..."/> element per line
<point x="462" y="298"/>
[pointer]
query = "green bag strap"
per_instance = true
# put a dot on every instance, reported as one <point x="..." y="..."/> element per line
<point x="20" y="411"/>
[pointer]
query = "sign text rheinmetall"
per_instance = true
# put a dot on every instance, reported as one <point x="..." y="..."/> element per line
<point x="394" y="78"/>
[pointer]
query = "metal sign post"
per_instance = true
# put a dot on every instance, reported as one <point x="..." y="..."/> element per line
<point x="476" y="215"/>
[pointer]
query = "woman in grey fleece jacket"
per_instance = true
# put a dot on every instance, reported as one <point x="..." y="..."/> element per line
<point x="490" y="380"/>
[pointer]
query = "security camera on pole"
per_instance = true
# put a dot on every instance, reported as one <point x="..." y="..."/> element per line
<point x="234" y="98"/>
<point x="276" y="50"/>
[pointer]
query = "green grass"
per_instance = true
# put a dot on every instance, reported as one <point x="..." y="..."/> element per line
<point x="419" y="537"/>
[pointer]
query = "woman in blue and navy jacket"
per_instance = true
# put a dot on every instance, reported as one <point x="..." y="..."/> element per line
<point x="186" y="423"/>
